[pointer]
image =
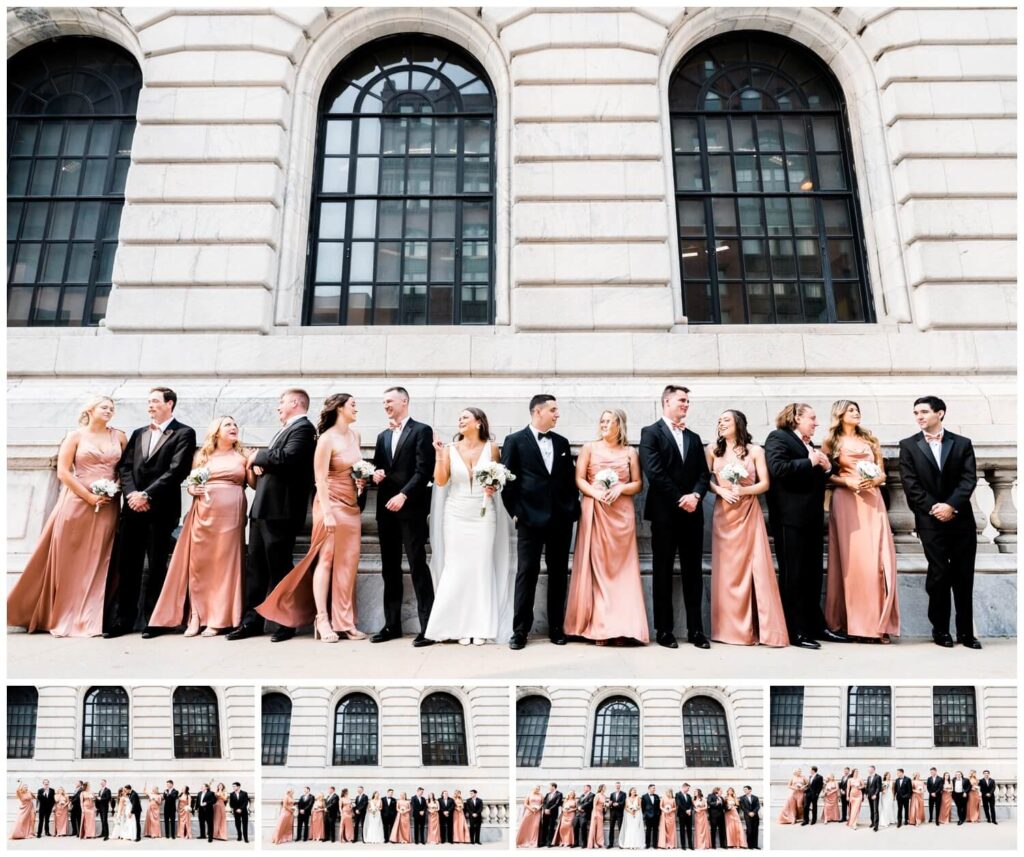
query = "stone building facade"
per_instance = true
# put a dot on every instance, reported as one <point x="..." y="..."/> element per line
<point x="587" y="268"/>
<point x="142" y="734"/>
<point x="914" y="727"/>
<point x="381" y="737"/>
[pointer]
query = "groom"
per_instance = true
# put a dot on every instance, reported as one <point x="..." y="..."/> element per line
<point x="544" y="502"/>
<point x="136" y="805"/>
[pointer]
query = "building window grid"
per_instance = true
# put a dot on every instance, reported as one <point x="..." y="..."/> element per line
<point x="196" y="723"/>
<point x="706" y="734"/>
<point x="22" y="712"/>
<point x="275" y="727"/>
<point x="532" y="714"/>
<point x="355" y="731"/>
<point x="869" y="717"/>
<point x="616" y="734"/>
<point x="443" y="731"/>
<point x="105" y="724"/>
<point x="955" y="716"/>
<point x="787" y="716"/>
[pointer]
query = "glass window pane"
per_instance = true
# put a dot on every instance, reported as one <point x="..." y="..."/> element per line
<point x="848" y="301"/>
<point x="776" y="211"/>
<point x="688" y="173"/>
<point x="42" y="178"/>
<point x="750" y="215"/>
<point x="393" y="178"/>
<point x="391" y="211"/>
<point x="476" y="175"/>
<point x="474" y="304"/>
<point x="691" y="217"/>
<point x="414" y="305"/>
<point x="717" y="131"/>
<point x="366" y="175"/>
<point x="72" y="306"/>
<point x="773" y="173"/>
<point x="394" y="136"/>
<point x="326" y="304"/>
<point x="49" y="138"/>
<point x="724" y="213"/>
<point x="783" y="258"/>
<point x="385" y="308"/>
<point x="335" y="175"/>
<point x="17" y="176"/>
<point x="74" y="139"/>
<point x="694" y="258"/>
<point x="95" y="174"/>
<point x="720" y="173"/>
<point x="99" y="304"/>
<point x="442" y="261"/>
<point x="68" y="179"/>
<point x="35" y="220"/>
<point x="759" y="303"/>
<point x="329" y="257"/>
<point x="24" y="138"/>
<point x="338" y="139"/>
<point x="697" y="298"/>
<point x="332" y="219"/>
<point x="419" y="175"/>
<point x="799" y="174"/>
<point x="420" y="134"/>
<point x="685" y="136"/>
<point x="359" y="304"/>
<point x="81" y="263"/>
<point x="443" y="215"/>
<point x="446" y="136"/>
<point x="53" y="265"/>
<point x="803" y="216"/>
<point x="830" y="172"/>
<point x="112" y="226"/>
<point x="125" y="137"/>
<point x="755" y="259"/>
<point x="88" y="220"/>
<point x="815" y="306"/>
<point x="444" y="175"/>
<point x="477" y="134"/>
<point x="120" y="175"/>
<point x="794" y="133"/>
<point x="730" y="302"/>
<point x="414" y="264"/>
<point x="837" y="216"/>
<point x="101" y="138"/>
<point x="826" y="137"/>
<point x="747" y="178"/>
<point x="364" y="218"/>
<point x="769" y="135"/>
<point x="19" y="301"/>
<point x="808" y="258"/>
<point x="106" y="268"/>
<point x="389" y="260"/>
<point x="475" y="262"/>
<point x="441" y="304"/>
<point x="361" y="262"/>
<point x="476" y="219"/>
<point x="417" y="218"/>
<point x="742" y="134"/>
<point x="841" y="258"/>
<point x="369" y="136"/>
<point x="26" y="264"/>
<point x="787" y="303"/>
<point x="14" y="210"/>
<point x="47" y="300"/>
<point x="727" y="257"/>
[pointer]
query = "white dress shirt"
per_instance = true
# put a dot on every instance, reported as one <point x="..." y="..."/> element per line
<point x="156" y="434"/>
<point x="396" y="434"/>
<point x="958" y="786"/>
<point x="547" y="448"/>
<point x="678" y="435"/>
<point x="936" y="447"/>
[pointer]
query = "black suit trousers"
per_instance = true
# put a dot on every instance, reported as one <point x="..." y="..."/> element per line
<point x="873" y="809"/>
<point x="580" y="830"/>
<point x="614" y="820"/>
<point x="411" y="534"/>
<point x="961" y="805"/>
<point x="810" y="808"/>
<point x="242" y="825"/>
<point x="138" y="825"/>
<point x="683" y="536"/>
<point x="268" y="560"/>
<point x="474" y="830"/>
<point x="104" y="825"/>
<point x="419" y="829"/>
<point x="902" y="811"/>
<point x="934" y="804"/>
<point x="652" y="824"/>
<point x="800" y="552"/>
<point x="685" y="829"/>
<point x="548" y="825"/>
<point x="144" y="546"/>
<point x="302" y="831"/>
<point x="718" y="834"/>
<point x="752" y="826"/>
<point x="553" y="541"/>
<point x="988" y="803"/>
<point x="170" y="824"/>
<point x="950" y="555"/>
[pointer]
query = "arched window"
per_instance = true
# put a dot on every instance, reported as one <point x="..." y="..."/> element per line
<point x="531" y="730"/>
<point x="355" y="730"/>
<point x="402" y="225"/>
<point x="105" y="723"/>
<point x="196" y="723"/>
<point x="276" y="724"/>
<point x="443" y="730"/>
<point x="616" y="734"/>
<point x="787" y="715"/>
<point x="70" y="121"/>
<point x="706" y="733"/>
<point x="955" y="716"/>
<point x="768" y="218"/>
<point x="22" y="708"/>
<point x="869" y="716"/>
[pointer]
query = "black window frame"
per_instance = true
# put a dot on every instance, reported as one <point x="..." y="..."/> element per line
<point x="532" y="716"/>
<point x="616" y="739"/>
<point x="356" y="730"/>
<point x="786" y="721"/>
<point x="706" y="739"/>
<point x="105" y="723"/>
<point x="955" y="715"/>
<point x="275" y="727"/>
<point x="869" y="716"/>
<point x="195" y="715"/>
<point x="442" y="731"/>
<point x="22" y="721"/>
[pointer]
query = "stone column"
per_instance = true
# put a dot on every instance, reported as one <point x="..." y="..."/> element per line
<point x="1004" y="512"/>
<point x="901" y="518"/>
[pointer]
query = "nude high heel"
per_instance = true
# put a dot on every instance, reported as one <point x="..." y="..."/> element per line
<point x="319" y="624"/>
<point x="193" y="626"/>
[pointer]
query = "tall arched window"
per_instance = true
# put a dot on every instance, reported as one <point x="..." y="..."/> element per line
<point x="616" y="734"/>
<point x="275" y="727"/>
<point x="706" y="733"/>
<point x="443" y="730"/>
<point x="355" y="730"/>
<point x="531" y="730"/>
<point x="869" y="716"/>
<point x="22" y="709"/>
<point x="105" y="723"/>
<point x="196" y="723"/>
<point x="768" y="218"/>
<point x="70" y="121"/>
<point x="787" y="715"/>
<point x="402" y="224"/>
<point x="955" y="716"/>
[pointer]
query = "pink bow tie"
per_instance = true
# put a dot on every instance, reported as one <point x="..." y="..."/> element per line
<point x="933" y="437"/>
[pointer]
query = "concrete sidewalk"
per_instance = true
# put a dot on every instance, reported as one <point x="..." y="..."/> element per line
<point x="966" y="839"/>
<point x="501" y="845"/>
<point x="40" y="656"/>
<point x="70" y="843"/>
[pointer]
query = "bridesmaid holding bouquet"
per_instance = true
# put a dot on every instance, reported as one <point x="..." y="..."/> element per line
<point x="400" y="831"/>
<point x="529" y="824"/>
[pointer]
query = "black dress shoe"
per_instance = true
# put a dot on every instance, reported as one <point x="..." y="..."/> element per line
<point x="113" y="633"/>
<point x="282" y="634"/>
<point x="516" y="642"/>
<point x="805" y="642"/>
<point x="422" y="641"/>
<point x="833" y="636"/>
<point x="242" y="632"/>
<point x="149" y="633"/>
<point x="667" y="639"/>
<point x="699" y="640"/>
<point x="961" y="821"/>
<point x="943" y="640"/>
<point x="558" y="638"/>
<point x="969" y="642"/>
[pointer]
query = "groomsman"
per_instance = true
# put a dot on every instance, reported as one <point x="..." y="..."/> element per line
<point x="474" y="812"/>
<point x="716" y="818"/>
<point x="811" y="793"/>
<point x="939" y="476"/>
<point x="650" y="806"/>
<point x="843" y="800"/>
<point x="799" y="472"/>
<point x="45" y="800"/>
<point x="673" y="462"/>
<point x="987" y="787"/>
<point x="934" y="786"/>
<point x="419" y="817"/>
<point x="359" y="804"/>
<point x="544" y="501"/>
<point x="305" y="811"/>
<point x="238" y="801"/>
<point x="284" y="482"/>
<point x="684" y="814"/>
<point x="903" y="789"/>
<point x="551" y="811"/>
<point x="206" y="800"/>
<point x="961" y="787"/>
<point x="750" y="808"/>
<point x="103" y="808"/>
<point x="581" y="821"/>
<point x="446" y="817"/>
<point x="404" y="467"/>
<point x="616" y="807"/>
<point x="170" y="806"/>
<point x="873" y="788"/>
<point x="75" y="808"/>
<point x="155" y="462"/>
<point x="388" y="812"/>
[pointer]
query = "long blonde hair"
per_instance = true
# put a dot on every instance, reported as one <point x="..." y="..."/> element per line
<point x="90" y="403"/>
<point x="619" y="416"/>
<point x="835" y="429"/>
<point x="210" y="441"/>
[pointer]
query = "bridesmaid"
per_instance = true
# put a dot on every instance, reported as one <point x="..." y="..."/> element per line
<point x="667" y="828"/>
<point x="946" y="806"/>
<point x="321" y="589"/>
<point x="606" y="598"/>
<point x="735" y="835"/>
<point x="283" y="831"/>
<point x="87" y="830"/>
<point x="400" y="830"/>
<point x="316" y="821"/>
<point x="185" y="815"/>
<point x="220" y="813"/>
<point x="433" y="820"/>
<point x="596" y="837"/>
<point x="563" y="837"/>
<point x="831" y="811"/>
<point x="62" y="587"/>
<point x="746" y="608"/>
<point x="347" y="828"/>
<point x="204" y="578"/>
<point x="861" y="597"/>
<point x="25" y="821"/>
<point x="701" y="828"/>
<point x="916" y="815"/>
<point x="460" y="828"/>
<point x="973" y="800"/>
<point x="793" y="810"/>
<point x="153" y="814"/>
<point x="529" y="824"/>
<point x="854" y="796"/>
<point x="61" y="804"/>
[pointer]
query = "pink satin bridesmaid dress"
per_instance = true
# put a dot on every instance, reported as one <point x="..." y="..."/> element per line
<point x="946" y="804"/>
<point x="460" y="828"/>
<point x="735" y="835"/>
<point x="400" y="830"/>
<point x="667" y="828"/>
<point x="220" y="819"/>
<point x="596" y="837"/>
<point x="62" y="821"/>
<point x="184" y="818"/>
<point x="285" y="823"/>
<point x="347" y="828"/>
<point x="563" y="834"/>
<point x="433" y="824"/>
<point x="701" y="827"/>
<point x="529" y="824"/>
<point x="153" y="828"/>
<point x="316" y="824"/>
<point x="87" y="830"/>
<point x="855" y="797"/>
<point x="25" y="821"/>
<point x="792" y="810"/>
<point x="831" y="810"/>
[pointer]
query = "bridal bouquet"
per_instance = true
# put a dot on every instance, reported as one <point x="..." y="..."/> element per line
<point x="868" y="470"/>
<point x="493" y="474"/>
<point x="198" y="476"/>
<point x="104" y="488"/>
<point x="734" y="473"/>
<point x="606" y="478"/>
<point x="362" y="469"/>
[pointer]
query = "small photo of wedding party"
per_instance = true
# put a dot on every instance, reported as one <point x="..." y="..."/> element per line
<point x="385" y="765"/>
<point x="904" y="766"/>
<point x="639" y="767"/>
<point x="146" y="765"/>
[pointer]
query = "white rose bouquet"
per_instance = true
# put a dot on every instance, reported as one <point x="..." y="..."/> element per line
<point x="362" y="469"/>
<point x="198" y="476"/>
<point x="733" y="472"/>
<point x="868" y="470"/>
<point x="606" y="478"/>
<point x="492" y="474"/>
<point x="104" y="488"/>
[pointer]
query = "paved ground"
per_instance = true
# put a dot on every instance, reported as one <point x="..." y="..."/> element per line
<point x="966" y="839"/>
<point x="315" y="847"/>
<point x="40" y="656"/>
<point x="68" y="843"/>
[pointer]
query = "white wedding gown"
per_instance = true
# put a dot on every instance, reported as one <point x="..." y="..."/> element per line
<point x="632" y="835"/>
<point x="469" y="563"/>
<point x="886" y="806"/>
<point x="124" y="822"/>
<point x="373" y="827"/>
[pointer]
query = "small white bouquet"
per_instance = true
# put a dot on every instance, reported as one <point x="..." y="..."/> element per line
<point x="362" y="469"/>
<point x="733" y="472"/>
<point x="868" y="470"/>
<point x="104" y="488"/>
<point x="492" y="474"/>
<point x="198" y="476"/>
<point x="606" y="478"/>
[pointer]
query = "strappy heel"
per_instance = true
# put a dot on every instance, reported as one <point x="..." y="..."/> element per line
<point x="319" y="624"/>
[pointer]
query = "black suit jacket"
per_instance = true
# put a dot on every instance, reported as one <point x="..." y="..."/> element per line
<point x="471" y="807"/>
<point x="283" y="491"/>
<point x="359" y="804"/>
<point x="668" y="476"/>
<point x="934" y="784"/>
<point x="650" y="805"/>
<point x="418" y="805"/>
<point x="716" y="806"/>
<point x="684" y="804"/>
<point x="902" y="787"/>
<point x="75" y="800"/>
<point x="160" y="475"/>
<point x="552" y="801"/>
<point x="133" y="799"/>
<point x="388" y="808"/>
<point x="410" y="471"/>
<point x="873" y="786"/>
<point x="103" y="801"/>
<point x="305" y="804"/>
<point x="536" y="498"/>
<point x="987" y="787"/>
<point x="925" y="485"/>
<point x="332" y="806"/>
<point x="206" y="799"/>
<point x="585" y="804"/>
<point x="46" y="798"/>
<point x="239" y="801"/>
<point x="750" y="804"/>
<point x="620" y="799"/>
<point x="815" y="785"/>
<point x="796" y="496"/>
<point x="446" y="805"/>
<point x="966" y="786"/>
<point x="171" y="803"/>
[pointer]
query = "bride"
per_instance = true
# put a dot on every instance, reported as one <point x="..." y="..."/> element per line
<point x="468" y="606"/>
<point x="887" y="803"/>
<point x="373" y="827"/>
<point x="124" y="823"/>
<point x="632" y="835"/>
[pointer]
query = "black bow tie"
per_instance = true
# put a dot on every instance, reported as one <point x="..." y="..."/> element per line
<point x="543" y="434"/>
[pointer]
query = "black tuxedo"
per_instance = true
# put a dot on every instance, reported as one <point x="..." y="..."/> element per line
<point x="902" y="791"/>
<point x="934" y="787"/>
<point x="650" y="806"/>
<point x="615" y="808"/>
<point x="388" y="812"/>
<point x="359" y="805"/>
<point x="544" y="505"/>
<point x="752" y="805"/>
<point x="716" y="820"/>
<point x="206" y="800"/>
<point x="305" y="811"/>
<point x="873" y="788"/>
<point x="669" y="477"/>
<point x="239" y="805"/>
<point x="171" y="814"/>
<point x="811" y="794"/>
<point x="581" y="823"/>
<point x="278" y="511"/>
<point x="960" y="800"/>
<point x="75" y="811"/>
<point x="45" y="800"/>
<point x="446" y="822"/>
<point x="950" y="548"/>
<point x="144" y="538"/>
<point x="136" y="805"/>
<point x="551" y="810"/>
<point x="987" y="787"/>
<point x="844" y="800"/>
<point x="473" y="809"/>
<point x="409" y="471"/>
<point x="103" y="808"/>
<point x="796" y="513"/>
<point x="419" y="819"/>
<point x="684" y="815"/>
